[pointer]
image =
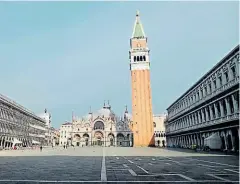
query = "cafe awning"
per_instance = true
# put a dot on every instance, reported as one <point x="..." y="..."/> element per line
<point x="16" y="141"/>
<point x="35" y="142"/>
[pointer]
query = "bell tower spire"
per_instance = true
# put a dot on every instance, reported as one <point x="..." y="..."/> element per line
<point x="141" y="87"/>
<point x="138" y="31"/>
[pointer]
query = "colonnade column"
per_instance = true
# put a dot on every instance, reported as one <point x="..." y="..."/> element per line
<point x="215" y="110"/>
<point x="221" y="109"/>
<point x="233" y="140"/>
<point x="199" y="117"/>
<point x="228" y="106"/>
<point x="225" y="140"/>
<point x="190" y="120"/>
<point x="211" y="113"/>
<point x="234" y="103"/>
<point x="115" y="140"/>
<point x="189" y="140"/>
<point x="196" y="138"/>
<point x="203" y="117"/>
<point x="206" y="112"/>
<point x="200" y="140"/>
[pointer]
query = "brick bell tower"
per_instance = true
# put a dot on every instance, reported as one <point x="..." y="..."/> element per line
<point x="142" y="116"/>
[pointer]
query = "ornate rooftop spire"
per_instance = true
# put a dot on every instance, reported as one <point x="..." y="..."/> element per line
<point x="138" y="31"/>
<point x="126" y="110"/>
<point x="138" y="12"/>
<point x="104" y="104"/>
<point x="90" y="110"/>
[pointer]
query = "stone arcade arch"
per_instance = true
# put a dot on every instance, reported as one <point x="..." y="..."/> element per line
<point x="86" y="139"/>
<point x="98" y="138"/>
<point x="128" y="141"/>
<point x="69" y="141"/>
<point x="77" y="139"/>
<point x="111" y="139"/>
<point x="98" y="125"/>
<point x="120" y="139"/>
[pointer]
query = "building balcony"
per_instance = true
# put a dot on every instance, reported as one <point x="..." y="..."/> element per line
<point x="207" y="97"/>
<point x="37" y="135"/>
<point x="204" y="124"/>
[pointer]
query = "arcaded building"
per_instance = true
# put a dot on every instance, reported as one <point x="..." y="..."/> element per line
<point x="209" y="109"/>
<point x="19" y="126"/>
<point x="159" y="130"/>
<point x="100" y="128"/>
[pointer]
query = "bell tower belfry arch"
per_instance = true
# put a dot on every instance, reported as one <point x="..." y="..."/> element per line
<point x="141" y="87"/>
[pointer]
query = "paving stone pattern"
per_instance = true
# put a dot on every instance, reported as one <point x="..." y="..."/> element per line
<point x="147" y="165"/>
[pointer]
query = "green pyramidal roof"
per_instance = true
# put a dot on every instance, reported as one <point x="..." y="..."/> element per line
<point x="138" y="31"/>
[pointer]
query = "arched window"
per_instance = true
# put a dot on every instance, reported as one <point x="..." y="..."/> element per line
<point x="98" y="125"/>
<point x="141" y="58"/>
<point x="154" y="124"/>
<point x="161" y="135"/>
<point x="135" y="58"/>
<point x="144" y="58"/>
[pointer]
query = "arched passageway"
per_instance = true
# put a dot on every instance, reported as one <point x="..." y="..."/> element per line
<point x="77" y="139"/>
<point x="98" y="138"/>
<point x="86" y="139"/>
<point x="111" y="139"/>
<point x="120" y="139"/>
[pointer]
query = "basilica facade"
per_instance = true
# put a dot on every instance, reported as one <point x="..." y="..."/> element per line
<point x="100" y="128"/>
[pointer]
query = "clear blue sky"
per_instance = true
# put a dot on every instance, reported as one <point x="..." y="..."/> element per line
<point x="69" y="55"/>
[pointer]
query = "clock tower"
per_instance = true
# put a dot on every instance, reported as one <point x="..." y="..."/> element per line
<point x="142" y="116"/>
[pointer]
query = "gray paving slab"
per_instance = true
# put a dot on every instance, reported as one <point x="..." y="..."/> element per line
<point x="121" y="164"/>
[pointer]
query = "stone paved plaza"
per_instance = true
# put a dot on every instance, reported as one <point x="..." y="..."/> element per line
<point x="114" y="164"/>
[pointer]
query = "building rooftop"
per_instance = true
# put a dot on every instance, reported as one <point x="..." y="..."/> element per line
<point x="226" y="57"/>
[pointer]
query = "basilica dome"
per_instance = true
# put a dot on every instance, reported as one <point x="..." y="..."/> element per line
<point x="105" y="112"/>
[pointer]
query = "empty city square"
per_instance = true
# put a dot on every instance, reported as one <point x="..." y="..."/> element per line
<point x="114" y="164"/>
<point x="119" y="92"/>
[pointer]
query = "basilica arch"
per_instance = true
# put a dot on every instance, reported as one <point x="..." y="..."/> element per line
<point x="86" y="139"/>
<point x="100" y="128"/>
<point x="111" y="139"/>
<point x="120" y="139"/>
<point x="77" y="139"/>
<point x="98" y="125"/>
<point x="98" y="138"/>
